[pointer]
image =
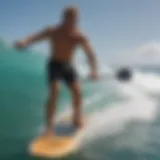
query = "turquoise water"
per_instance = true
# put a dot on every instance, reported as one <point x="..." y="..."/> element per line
<point x="124" y="125"/>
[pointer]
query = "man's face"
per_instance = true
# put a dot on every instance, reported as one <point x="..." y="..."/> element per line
<point x="71" y="17"/>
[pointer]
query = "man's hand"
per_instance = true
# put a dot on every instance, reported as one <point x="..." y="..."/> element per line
<point x="20" y="45"/>
<point x="94" y="75"/>
<point x="92" y="60"/>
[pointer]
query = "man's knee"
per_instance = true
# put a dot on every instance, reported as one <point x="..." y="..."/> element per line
<point x="54" y="90"/>
<point x="55" y="87"/>
<point x="77" y="90"/>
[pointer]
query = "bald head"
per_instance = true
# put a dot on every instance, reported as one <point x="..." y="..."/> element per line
<point x="70" y="15"/>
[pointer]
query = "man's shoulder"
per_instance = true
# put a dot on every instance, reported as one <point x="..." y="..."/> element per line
<point x="81" y="35"/>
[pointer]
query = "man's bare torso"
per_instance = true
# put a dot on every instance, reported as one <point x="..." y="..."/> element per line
<point x="63" y="43"/>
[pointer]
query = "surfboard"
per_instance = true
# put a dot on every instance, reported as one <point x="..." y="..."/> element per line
<point x="65" y="141"/>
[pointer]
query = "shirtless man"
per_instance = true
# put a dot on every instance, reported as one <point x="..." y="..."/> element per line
<point x="64" y="39"/>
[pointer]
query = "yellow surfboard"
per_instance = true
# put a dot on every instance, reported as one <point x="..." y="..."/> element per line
<point x="64" y="142"/>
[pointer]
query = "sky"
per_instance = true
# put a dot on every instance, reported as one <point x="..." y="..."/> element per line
<point x="120" y="31"/>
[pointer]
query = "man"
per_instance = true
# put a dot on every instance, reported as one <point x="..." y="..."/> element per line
<point x="64" y="39"/>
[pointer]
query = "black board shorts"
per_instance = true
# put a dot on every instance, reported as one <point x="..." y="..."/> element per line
<point x="58" y="71"/>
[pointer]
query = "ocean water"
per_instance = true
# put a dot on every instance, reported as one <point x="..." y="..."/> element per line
<point x="124" y="117"/>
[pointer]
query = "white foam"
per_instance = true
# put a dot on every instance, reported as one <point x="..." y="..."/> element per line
<point x="113" y="119"/>
<point x="150" y="82"/>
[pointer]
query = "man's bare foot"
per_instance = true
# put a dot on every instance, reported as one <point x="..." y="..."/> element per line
<point x="79" y="124"/>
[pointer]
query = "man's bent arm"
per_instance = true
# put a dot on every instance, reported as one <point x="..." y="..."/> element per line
<point x="90" y="53"/>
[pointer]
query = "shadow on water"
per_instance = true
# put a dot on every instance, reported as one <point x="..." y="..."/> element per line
<point x="25" y="156"/>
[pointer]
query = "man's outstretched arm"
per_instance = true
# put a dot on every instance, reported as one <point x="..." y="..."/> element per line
<point x="34" y="38"/>
<point x="85" y="44"/>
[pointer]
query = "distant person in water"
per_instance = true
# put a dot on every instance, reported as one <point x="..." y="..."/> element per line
<point x="64" y="39"/>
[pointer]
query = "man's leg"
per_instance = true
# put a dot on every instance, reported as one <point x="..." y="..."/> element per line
<point x="77" y="103"/>
<point x="51" y="106"/>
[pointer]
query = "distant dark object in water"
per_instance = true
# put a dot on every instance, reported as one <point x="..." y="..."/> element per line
<point x="124" y="74"/>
